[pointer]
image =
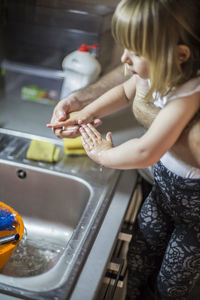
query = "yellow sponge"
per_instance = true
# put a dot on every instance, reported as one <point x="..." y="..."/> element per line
<point x="43" y="151"/>
<point x="73" y="146"/>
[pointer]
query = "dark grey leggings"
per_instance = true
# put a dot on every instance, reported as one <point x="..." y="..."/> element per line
<point x="166" y="238"/>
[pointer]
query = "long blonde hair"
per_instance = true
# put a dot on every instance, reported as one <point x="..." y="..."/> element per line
<point x="154" y="29"/>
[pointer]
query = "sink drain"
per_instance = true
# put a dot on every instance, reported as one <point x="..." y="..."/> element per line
<point x="21" y="174"/>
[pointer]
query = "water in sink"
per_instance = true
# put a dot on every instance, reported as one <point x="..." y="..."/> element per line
<point x="34" y="254"/>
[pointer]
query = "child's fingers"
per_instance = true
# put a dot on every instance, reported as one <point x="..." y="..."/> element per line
<point x="85" y="135"/>
<point x="55" y="125"/>
<point x="85" y="145"/>
<point x="61" y="124"/>
<point x="94" y="131"/>
<point x="58" y="124"/>
<point x="90" y="133"/>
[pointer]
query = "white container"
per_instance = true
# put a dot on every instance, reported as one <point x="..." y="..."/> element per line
<point x="80" y="69"/>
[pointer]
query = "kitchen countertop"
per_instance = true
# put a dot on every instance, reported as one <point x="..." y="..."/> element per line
<point x="31" y="117"/>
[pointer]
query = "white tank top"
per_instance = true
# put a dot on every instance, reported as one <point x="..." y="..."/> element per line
<point x="169" y="160"/>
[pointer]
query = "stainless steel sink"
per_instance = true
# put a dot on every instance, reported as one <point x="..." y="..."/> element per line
<point x="51" y="205"/>
<point x="62" y="206"/>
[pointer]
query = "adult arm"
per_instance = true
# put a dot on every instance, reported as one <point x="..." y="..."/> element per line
<point x="115" y="99"/>
<point x="77" y="100"/>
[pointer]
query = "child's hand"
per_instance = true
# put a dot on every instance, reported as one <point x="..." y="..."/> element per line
<point x="94" y="144"/>
<point x="70" y="127"/>
<point x="74" y="118"/>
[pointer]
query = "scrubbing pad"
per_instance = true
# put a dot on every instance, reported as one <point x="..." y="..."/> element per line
<point x="6" y="219"/>
<point x="43" y="151"/>
<point x="73" y="146"/>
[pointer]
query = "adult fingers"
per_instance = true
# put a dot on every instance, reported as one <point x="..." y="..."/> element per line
<point x="70" y="133"/>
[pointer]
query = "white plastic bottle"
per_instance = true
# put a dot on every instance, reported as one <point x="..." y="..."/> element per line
<point x="80" y="68"/>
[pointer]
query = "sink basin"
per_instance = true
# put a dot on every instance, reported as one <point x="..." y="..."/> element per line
<point x="62" y="206"/>
<point x="51" y="206"/>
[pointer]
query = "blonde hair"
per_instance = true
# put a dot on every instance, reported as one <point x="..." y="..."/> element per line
<point x="154" y="29"/>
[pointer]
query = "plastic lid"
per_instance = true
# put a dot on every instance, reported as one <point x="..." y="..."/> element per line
<point x="85" y="48"/>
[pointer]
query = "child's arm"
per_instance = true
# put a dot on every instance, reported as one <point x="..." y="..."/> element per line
<point x="113" y="100"/>
<point x="147" y="150"/>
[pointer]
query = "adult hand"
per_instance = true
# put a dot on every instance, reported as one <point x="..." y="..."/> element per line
<point x="61" y="114"/>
